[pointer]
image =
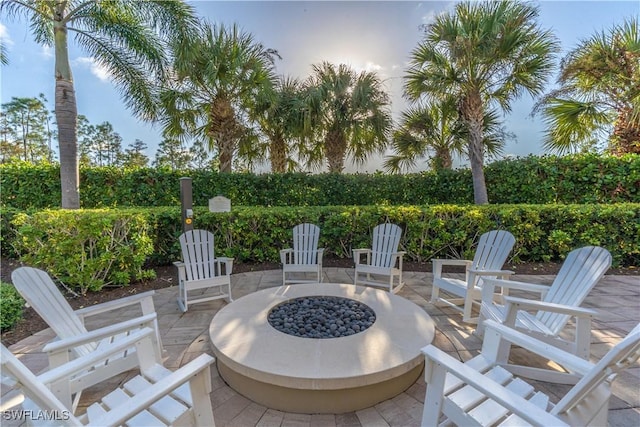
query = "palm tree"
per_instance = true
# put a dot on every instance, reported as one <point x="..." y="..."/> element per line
<point x="348" y="114"/>
<point x="436" y="128"/>
<point x="599" y="94"/>
<point x="123" y="36"/>
<point x="485" y="54"/>
<point x="282" y="121"/>
<point x="220" y="78"/>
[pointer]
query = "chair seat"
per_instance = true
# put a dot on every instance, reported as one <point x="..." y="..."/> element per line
<point x="166" y="411"/>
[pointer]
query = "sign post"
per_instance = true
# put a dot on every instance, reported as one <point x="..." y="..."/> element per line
<point x="186" y="201"/>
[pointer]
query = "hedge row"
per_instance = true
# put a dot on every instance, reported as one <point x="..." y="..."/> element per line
<point x="535" y="180"/>
<point x="91" y="248"/>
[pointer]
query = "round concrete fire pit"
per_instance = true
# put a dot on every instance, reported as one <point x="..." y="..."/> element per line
<point x="330" y="375"/>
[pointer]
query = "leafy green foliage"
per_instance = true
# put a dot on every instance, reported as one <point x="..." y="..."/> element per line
<point x="543" y="233"/>
<point x="11" y="305"/>
<point x="577" y="179"/>
<point x="88" y="249"/>
<point x="85" y="249"/>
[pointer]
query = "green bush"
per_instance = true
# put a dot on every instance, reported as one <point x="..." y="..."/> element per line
<point x="89" y="249"/>
<point x="86" y="249"/>
<point x="575" y="179"/>
<point x="543" y="232"/>
<point x="11" y="306"/>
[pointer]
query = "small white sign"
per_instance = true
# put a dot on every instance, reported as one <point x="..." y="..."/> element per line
<point x="219" y="204"/>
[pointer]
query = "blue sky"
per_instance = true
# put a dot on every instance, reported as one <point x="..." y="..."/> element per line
<point x="368" y="35"/>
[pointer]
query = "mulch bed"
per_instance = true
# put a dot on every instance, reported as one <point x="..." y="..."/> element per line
<point x="167" y="276"/>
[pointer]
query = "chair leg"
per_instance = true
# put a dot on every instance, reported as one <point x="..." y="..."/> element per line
<point x="435" y="294"/>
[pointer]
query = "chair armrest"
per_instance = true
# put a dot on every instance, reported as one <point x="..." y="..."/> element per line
<point x="491" y="272"/>
<point x="228" y="264"/>
<point x="357" y="253"/>
<point x="526" y="304"/>
<point x="463" y="262"/>
<point x="99" y="334"/>
<point x="489" y="285"/>
<point x="285" y="255"/>
<point x="88" y="361"/>
<point x="157" y="391"/>
<point x="145" y="300"/>
<point x="567" y="360"/>
<point x="523" y="408"/>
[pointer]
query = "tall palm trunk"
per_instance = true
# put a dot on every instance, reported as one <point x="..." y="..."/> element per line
<point x="278" y="154"/>
<point x="66" y="117"/>
<point x="336" y="147"/>
<point x="626" y="136"/>
<point x="225" y="130"/>
<point x="472" y="113"/>
<point x="442" y="159"/>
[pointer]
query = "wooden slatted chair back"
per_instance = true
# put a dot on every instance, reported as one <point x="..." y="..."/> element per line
<point x="305" y="243"/>
<point x="580" y="272"/>
<point x="493" y="249"/>
<point x="386" y="239"/>
<point x="41" y="293"/>
<point x="198" y="254"/>
<point x="619" y="358"/>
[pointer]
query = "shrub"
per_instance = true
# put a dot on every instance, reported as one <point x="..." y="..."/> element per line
<point x="11" y="306"/>
<point x="576" y="179"/>
<point x="86" y="249"/>
<point x="89" y="249"/>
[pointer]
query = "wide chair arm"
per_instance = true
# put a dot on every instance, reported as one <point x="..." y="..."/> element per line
<point x="357" y="255"/>
<point x="88" y="361"/>
<point x="489" y="285"/>
<point x="96" y="335"/>
<point x="517" y="304"/>
<point x="286" y="256"/>
<point x="145" y="300"/>
<point x="228" y="265"/>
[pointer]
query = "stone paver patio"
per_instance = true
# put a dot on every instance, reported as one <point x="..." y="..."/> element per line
<point x="185" y="336"/>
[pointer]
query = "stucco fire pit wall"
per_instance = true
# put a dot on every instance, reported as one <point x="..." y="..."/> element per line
<point x="309" y="375"/>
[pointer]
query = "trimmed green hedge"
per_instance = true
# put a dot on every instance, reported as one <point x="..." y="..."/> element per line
<point x="534" y="180"/>
<point x="92" y="248"/>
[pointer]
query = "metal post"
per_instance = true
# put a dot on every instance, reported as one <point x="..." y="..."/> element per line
<point x="186" y="201"/>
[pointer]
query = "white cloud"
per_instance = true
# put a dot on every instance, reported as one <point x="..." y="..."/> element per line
<point x="372" y="67"/>
<point x="47" y="51"/>
<point x="4" y="36"/>
<point x="429" y="18"/>
<point x="96" y="69"/>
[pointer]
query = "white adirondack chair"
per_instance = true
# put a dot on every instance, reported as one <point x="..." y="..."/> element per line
<point x="39" y="291"/>
<point x="155" y="397"/>
<point x="492" y="252"/>
<point x="480" y="392"/>
<point x="579" y="273"/>
<point x="200" y="269"/>
<point x="383" y="262"/>
<point x="304" y="257"/>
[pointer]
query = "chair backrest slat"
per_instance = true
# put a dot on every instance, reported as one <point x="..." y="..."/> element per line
<point x="39" y="291"/>
<point x="580" y="272"/>
<point x="386" y="239"/>
<point x="305" y="243"/>
<point x="493" y="249"/>
<point x="198" y="254"/>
